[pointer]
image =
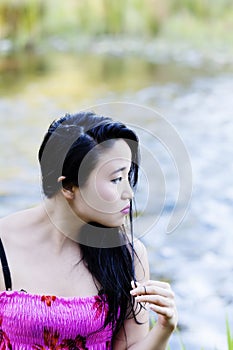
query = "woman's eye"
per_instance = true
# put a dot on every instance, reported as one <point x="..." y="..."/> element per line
<point x="117" y="180"/>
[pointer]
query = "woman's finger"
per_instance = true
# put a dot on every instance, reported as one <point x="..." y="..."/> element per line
<point x="155" y="299"/>
<point x="164" y="311"/>
<point x="160" y="284"/>
<point x="152" y="289"/>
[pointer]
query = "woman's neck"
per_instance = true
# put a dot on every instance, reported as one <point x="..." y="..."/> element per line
<point x="63" y="222"/>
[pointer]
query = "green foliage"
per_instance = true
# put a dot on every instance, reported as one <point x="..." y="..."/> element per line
<point x="21" y="21"/>
<point x="202" y="8"/>
<point x="26" y="22"/>
<point x="229" y="336"/>
<point x="113" y="16"/>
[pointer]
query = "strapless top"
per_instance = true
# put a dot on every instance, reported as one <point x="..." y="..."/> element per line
<point x="48" y="322"/>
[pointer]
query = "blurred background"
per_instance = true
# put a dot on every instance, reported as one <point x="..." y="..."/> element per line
<point x="172" y="56"/>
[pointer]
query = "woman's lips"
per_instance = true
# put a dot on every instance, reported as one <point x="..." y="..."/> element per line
<point x="126" y="210"/>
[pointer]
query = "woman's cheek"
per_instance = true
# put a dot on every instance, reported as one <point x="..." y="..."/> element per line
<point x="107" y="192"/>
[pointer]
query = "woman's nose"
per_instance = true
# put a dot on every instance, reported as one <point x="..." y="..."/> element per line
<point x="127" y="192"/>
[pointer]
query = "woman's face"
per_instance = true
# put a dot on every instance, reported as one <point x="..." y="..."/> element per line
<point x="105" y="198"/>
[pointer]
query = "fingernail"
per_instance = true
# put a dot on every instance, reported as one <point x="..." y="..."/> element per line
<point x="133" y="284"/>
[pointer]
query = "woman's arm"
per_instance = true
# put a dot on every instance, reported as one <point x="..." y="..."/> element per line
<point x="158" y="297"/>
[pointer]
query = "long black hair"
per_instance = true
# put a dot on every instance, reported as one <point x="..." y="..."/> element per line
<point x="65" y="145"/>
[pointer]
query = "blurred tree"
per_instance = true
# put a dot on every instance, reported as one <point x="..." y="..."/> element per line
<point x="21" y="21"/>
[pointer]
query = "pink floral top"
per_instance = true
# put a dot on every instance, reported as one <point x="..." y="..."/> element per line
<point x="31" y="321"/>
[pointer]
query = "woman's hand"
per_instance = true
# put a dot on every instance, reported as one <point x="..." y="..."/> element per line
<point x="161" y="299"/>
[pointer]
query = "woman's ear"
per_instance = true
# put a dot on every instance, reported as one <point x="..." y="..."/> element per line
<point x="68" y="191"/>
<point x="61" y="178"/>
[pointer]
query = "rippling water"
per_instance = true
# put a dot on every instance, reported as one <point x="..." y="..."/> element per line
<point x="197" y="101"/>
<point x="197" y="257"/>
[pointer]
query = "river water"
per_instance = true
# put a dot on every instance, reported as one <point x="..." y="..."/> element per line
<point x="184" y="98"/>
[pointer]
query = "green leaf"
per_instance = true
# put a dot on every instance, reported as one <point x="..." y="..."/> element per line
<point x="229" y="337"/>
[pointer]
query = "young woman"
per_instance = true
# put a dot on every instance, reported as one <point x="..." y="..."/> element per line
<point x="72" y="275"/>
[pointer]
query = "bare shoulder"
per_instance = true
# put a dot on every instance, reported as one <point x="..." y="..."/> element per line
<point x="14" y="233"/>
<point x="141" y="261"/>
<point x="15" y="223"/>
<point x="140" y="248"/>
<point x="7" y="224"/>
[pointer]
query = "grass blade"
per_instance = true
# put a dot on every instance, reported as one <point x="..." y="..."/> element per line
<point x="229" y="337"/>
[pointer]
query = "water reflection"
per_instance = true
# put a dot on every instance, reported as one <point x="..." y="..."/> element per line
<point x="16" y="71"/>
<point x="85" y="75"/>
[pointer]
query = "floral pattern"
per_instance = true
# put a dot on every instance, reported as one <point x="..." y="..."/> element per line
<point x="51" y="336"/>
<point x="48" y="299"/>
<point x="79" y="343"/>
<point x="100" y="306"/>
<point x="51" y="342"/>
<point x="4" y="340"/>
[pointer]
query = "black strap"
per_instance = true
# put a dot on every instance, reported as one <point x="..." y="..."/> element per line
<point x="5" y="267"/>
